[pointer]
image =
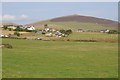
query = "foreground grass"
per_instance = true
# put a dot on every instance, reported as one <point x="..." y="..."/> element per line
<point x="61" y="59"/>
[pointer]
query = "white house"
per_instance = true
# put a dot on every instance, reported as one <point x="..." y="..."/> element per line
<point x="1" y="35"/>
<point x="105" y="31"/>
<point x="12" y="27"/>
<point x="4" y="36"/>
<point x="46" y="29"/>
<point x="48" y="35"/>
<point x="58" y="33"/>
<point x="31" y="28"/>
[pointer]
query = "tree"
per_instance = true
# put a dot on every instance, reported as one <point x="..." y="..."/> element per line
<point x="45" y="25"/>
<point x="17" y="33"/>
<point x="63" y="31"/>
<point x="19" y="29"/>
<point x="113" y="32"/>
<point x="5" y="27"/>
<point x="68" y="31"/>
<point x="9" y="29"/>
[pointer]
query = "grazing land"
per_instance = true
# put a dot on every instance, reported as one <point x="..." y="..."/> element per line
<point x="87" y="54"/>
<point x="59" y="59"/>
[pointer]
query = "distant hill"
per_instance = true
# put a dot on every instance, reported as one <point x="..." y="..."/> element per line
<point x="86" y="19"/>
<point x="78" y="22"/>
<point x="37" y="24"/>
<point x="8" y="23"/>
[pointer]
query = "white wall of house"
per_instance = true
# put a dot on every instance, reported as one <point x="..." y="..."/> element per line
<point x="47" y="29"/>
<point x="12" y="27"/>
<point x="31" y="28"/>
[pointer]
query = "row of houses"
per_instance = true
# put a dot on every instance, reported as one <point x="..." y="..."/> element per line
<point x="50" y="32"/>
<point x="6" y="36"/>
<point x="104" y="31"/>
<point x="46" y="28"/>
<point x="56" y="34"/>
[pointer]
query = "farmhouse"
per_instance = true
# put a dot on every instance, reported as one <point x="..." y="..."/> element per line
<point x="6" y="36"/>
<point x="30" y="28"/>
<point x="104" y="31"/>
<point x="1" y="35"/>
<point x="13" y="27"/>
<point x="48" y="34"/>
<point x="20" y="26"/>
<point x="46" y="28"/>
<point x="58" y="33"/>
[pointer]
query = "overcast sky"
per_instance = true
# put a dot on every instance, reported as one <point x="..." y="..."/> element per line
<point x="27" y="12"/>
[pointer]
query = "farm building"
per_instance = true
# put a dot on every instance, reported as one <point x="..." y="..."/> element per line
<point x="46" y="28"/>
<point x="30" y="28"/>
<point x="13" y="27"/>
<point x="104" y="31"/>
<point x="4" y="36"/>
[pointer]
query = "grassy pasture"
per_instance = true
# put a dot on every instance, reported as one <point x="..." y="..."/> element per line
<point x="102" y="37"/>
<point x="61" y="59"/>
<point x="94" y="36"/>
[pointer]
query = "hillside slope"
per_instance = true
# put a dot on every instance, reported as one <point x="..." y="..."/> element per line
<point x="8" y="23"/>
<point x="85" y="19"/>
<point x="78" y="22"/>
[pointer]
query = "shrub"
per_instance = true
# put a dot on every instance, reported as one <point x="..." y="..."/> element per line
<point x="19" y="29"/>
<point x="67" y="32"/>
<point x="5" y="27"/>
<point x="17" y="33"/>
<point x="45" y="25"/>
<point x="7" y="46"/>
<point x="63" y="31"/>
<point x="113" y="32"/>
<point x="9" y="29"/>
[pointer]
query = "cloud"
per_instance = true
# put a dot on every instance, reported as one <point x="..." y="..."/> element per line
<point x="8" y="17"/>
<point x="23" y="17"/>
<point x="60" y="0"/>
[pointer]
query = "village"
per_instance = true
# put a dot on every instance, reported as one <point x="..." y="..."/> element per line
<point x="15" y="31"/>
<point x="19" y="30"/>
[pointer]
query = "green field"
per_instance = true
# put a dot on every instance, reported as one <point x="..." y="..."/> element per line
<point x="100" y="37"/>
<point x="59" y="59"/>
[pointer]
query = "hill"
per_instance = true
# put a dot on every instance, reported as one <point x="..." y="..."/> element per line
<point x="8" y="23"/>
<point x="78" y="22"/>
<point x="85" y="19"/>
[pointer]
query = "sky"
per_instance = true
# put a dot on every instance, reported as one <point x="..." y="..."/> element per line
<point x="28" y="12"/>
<point x="60" y="0"/>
